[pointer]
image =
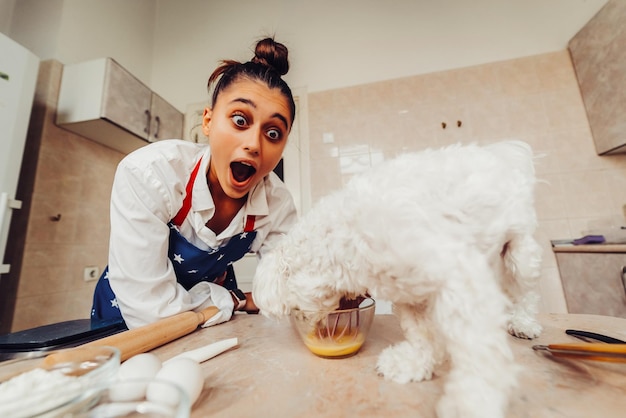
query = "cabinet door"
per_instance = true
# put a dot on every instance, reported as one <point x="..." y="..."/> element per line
<point x="126" y="100"/>
<point x="599" y="57"/>
<point x="166" y="121"/>
<point x="593" y="283"/>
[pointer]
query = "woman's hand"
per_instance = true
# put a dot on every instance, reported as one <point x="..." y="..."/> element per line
<point x="250" y="307"/>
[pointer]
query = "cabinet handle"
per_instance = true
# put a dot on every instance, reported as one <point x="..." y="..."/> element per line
<point x="624" y="278"/>
<point x="146" y="129"/>
<point x="158" y="127"/>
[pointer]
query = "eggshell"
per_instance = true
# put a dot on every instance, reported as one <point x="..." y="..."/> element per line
<point x="127" y="390"/>
<point x="130" y="386"/>
<point x="140" y="366"/>
<point x="184" y="372"/>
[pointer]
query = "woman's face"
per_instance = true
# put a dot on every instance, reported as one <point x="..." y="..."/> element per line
<point x="247" y="129"/>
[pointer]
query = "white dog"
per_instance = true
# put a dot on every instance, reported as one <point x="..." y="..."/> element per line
<point x="447" y="236"/>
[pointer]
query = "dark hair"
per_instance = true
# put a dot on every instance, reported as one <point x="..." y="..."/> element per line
<point x="268" y="65"/>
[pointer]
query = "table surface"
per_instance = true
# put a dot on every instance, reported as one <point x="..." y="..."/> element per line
<point x="272" y="374"/>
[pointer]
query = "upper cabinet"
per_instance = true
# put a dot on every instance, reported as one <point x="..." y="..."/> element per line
<point x="102" y="101"/>
<point x="598" y="52"/>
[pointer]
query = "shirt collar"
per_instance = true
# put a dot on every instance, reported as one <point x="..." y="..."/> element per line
<point x="201" y="196"/>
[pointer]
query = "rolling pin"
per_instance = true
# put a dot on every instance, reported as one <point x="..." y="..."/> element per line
<point x="145" y="338"/>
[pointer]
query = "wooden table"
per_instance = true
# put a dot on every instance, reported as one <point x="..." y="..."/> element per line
<point x="272" y="374"/>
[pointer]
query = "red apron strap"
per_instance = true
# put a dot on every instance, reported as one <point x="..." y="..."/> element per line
<point x="249" y="227"/>
<point x="184" y="210"/>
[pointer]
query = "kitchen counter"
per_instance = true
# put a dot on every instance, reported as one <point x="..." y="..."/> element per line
<point x="590" y="248"/>
<point x="272" y="374"/>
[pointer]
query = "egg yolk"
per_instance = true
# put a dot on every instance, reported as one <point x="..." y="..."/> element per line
<point x="341" y="346"/>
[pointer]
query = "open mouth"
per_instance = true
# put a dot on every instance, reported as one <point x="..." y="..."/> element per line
<point x="241" y="171"/>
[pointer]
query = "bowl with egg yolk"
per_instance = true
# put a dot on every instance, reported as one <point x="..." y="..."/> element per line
<point x="339" y="334"/>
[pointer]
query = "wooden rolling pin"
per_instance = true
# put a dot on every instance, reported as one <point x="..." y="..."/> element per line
<point x="145" y="338"/>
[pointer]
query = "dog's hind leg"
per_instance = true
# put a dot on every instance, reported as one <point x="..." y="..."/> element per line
<point x="522" y="264"/>
<point x="470" y="310"/>
<point x="415" y="358"/>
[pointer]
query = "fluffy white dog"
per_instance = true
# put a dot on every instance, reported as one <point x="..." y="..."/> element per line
<point x="447" y="236"/>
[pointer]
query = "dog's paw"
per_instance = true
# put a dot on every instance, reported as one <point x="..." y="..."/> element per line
<point x="402" y="363"/>
<point x="527" y="328"/>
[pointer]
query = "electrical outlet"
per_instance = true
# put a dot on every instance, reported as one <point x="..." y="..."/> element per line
<point x="91" y="273"/>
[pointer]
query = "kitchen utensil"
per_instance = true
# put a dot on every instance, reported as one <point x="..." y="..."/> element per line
<point x="208" y="351"/>
<point x="588" y="335"/>
<point x="145" y="338"/>
<point x="589" y="351"/>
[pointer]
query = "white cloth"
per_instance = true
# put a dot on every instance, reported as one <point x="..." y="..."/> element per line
<point x="148" y="191"/>
<point x="220" y="297"/>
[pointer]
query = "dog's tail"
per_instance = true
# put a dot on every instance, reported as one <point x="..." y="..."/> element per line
<point x="516" y="154"/>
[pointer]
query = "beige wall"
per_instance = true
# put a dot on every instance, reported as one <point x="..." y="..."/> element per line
<point x="535" y="99"/>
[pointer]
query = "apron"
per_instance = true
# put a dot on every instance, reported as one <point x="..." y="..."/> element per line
<point x="191" y="264"/>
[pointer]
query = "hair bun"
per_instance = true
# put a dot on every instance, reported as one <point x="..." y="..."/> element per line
<point x="272" y="54"/>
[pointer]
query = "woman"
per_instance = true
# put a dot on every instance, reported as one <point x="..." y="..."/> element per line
<point x="182" y="213"/>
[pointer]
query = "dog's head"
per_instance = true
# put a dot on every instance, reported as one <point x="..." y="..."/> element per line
<point x="284" y="281"/>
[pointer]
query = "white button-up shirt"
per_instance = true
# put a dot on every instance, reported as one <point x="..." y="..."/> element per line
<point x="148" y="191"/>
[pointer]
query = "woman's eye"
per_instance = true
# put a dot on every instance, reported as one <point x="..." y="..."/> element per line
<point x="274" y="134"/>
<point x="239" y="120"/>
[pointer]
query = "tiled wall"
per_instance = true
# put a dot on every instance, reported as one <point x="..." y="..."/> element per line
<point x="73" y="179"/>
<point x="536" y="99"/>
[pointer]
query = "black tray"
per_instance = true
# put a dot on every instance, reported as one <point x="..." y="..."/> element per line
<point x="60" y="335"/>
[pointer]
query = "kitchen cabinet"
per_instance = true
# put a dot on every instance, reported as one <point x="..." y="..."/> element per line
<point x="598" y="52"/>
<point x="593" y="282"/>
<point x="103" y="101"/>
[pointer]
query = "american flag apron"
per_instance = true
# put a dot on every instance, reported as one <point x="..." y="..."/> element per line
<point x="191" y="264"/>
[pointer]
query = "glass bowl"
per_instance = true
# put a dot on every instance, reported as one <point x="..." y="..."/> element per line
<point x="339" y="334"/>
<point x="46" y="382"/>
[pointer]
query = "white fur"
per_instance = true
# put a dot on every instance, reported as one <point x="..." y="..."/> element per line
<point x="447" y="236"/>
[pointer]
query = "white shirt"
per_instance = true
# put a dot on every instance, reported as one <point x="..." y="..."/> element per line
<point x="148" y="191"/>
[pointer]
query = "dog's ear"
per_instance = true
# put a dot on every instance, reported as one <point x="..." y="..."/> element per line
<point x="269" y="286"/>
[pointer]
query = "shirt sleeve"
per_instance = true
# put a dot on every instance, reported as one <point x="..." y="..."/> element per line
<point x="143" y="200"/>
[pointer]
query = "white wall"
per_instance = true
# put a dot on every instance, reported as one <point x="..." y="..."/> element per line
<point x="338" y="43"/>
<point x="78" y="30"/>
<point x="35" y="25"/>
<point x="6" y="14"/>
<point x="174" y="45"/>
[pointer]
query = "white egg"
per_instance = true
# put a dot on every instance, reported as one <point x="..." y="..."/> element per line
<point x="183" y="372"/>
<point x="128" y="390"/>
<point x="140" y="366"/>
<point x="133" y="376"/>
